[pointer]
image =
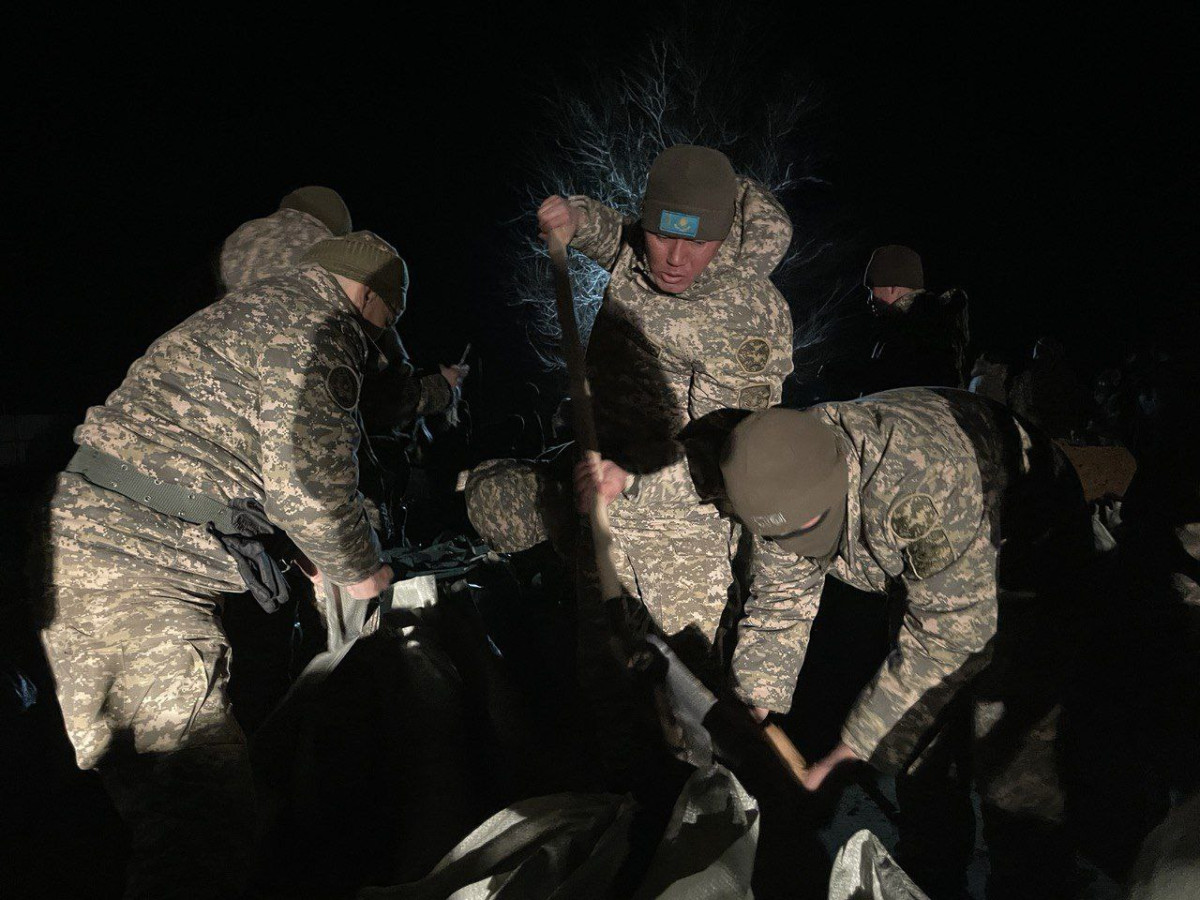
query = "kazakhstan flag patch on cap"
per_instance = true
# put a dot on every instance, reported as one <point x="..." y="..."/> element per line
<point x="679" y="223"/>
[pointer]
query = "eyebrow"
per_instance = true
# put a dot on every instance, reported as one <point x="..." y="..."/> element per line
<point x="803" y="530"/>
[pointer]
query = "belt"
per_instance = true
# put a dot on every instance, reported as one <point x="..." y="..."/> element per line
<point x="111" y="474"/>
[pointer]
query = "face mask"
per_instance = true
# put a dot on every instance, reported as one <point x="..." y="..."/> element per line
<point x="826" y="561"/>
<point x="373" y="331"/>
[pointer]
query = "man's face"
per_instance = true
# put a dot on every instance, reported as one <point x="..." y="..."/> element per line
<point x="886" y="296"/>
<point x="376" y="311"/>
<point x="675" y="262"/>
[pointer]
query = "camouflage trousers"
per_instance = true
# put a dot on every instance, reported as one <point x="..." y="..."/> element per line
<point x="1000" y="735"/>
<point x="141" y="669"/>
<point x="679" y="564"/>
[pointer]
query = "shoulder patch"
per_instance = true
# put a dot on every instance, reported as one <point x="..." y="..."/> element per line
<point x="930" y="554"/>
<point x="754" y="354"/>
<point x="913" y="517"/>
<point x="342" y="385"/>
<point x="757" y="396"/>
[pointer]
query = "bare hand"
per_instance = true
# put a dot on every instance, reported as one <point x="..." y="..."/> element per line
<point x="556" y="213"/>
<point x="821" y="769"/>
<point x="371" y="586"/>
<point x="455" y="375"/>
<point x="605" y="476"/>
<point x="310" y="570"/>
<point x="759" y="713"/>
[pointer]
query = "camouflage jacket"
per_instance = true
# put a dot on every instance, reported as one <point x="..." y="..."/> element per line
<point x="395" y="396"/>
<point x="657" y="361"/>
<point x="274" y="245"/>
<point x="931" y="473"/>
<point x="269" y="247"/>
<point x="256" y="396"/>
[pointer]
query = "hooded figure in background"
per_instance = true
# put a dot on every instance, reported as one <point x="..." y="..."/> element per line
<point x="920" y="338"/>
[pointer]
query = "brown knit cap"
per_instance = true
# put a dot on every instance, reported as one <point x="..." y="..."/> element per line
<point x="782" y="469"/>
<point x="691" y="193"/>
<point x="367" y="258"/>
<point x="895" y="265"/>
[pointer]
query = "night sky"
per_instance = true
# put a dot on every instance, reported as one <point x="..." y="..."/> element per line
<point x="1048" y="167"/>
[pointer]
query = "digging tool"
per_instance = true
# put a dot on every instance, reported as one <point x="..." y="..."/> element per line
<point x="731" y="711"/>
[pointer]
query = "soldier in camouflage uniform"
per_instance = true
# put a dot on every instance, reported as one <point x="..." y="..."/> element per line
<point x="252" y="399"/>
<point x="690" y="323"/>
<point x="975" y="524"/>
<point x="275" y="245"/>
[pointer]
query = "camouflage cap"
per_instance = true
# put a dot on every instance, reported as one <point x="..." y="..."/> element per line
<point x="322" y="203"/>
<point x="691" y="193"/>
<point x="894" y="265"/>
<point x="368" y="259"/>
<point x="787" y="481"/>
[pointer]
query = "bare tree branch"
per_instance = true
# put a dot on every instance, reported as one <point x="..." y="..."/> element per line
<point x="692" y="87"/>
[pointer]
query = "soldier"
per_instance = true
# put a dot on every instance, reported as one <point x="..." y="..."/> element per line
<point x="974" y="524"/>
<point x="920" y="338"/>
<point x="690" y="323"/>
<point x="235" y="428"/>
<point x="275" y="245"/>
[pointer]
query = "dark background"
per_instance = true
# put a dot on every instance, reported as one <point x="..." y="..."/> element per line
<point x="1046" y="165"/>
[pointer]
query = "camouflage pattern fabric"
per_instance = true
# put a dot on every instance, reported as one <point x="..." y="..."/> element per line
<point x="253" y="397"/>
<point x="969" y="694"/>
<point x="656" y="362"/>
<point x="395" y="397"/>
<point x="256" y="396"/>
<point x="923" y="516"/>
<point x="269" y="247"/>
<point x="134" y="641"/>
<point x="141" y="663"/>
<point x="516" y="504"/>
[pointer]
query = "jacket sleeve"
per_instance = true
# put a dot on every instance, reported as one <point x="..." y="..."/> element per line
<point x="599" y="234"/>
<point x="436" y="395"/>
<point x="668" y="486"/>
<point x="695" y="476"/>
<point x="773" y="637"/>
<point x="309" y="381"/>
<point x="944" y="641"/>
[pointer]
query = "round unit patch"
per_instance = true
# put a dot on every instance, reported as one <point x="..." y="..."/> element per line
<point x="757" y="396"/>
<point x="342" y="384"/>
<point x="913" y="517"/>
<point x="754" y="354"/>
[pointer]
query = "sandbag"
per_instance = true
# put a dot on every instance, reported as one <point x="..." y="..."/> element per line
<point x="1168" y="866"/>
<point x="864" y="870"/>
<point x="575" y="845"/>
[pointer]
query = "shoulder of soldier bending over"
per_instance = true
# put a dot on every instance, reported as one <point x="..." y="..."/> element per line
<point x="920" y="489"/>
<point x="301" y="315"/>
